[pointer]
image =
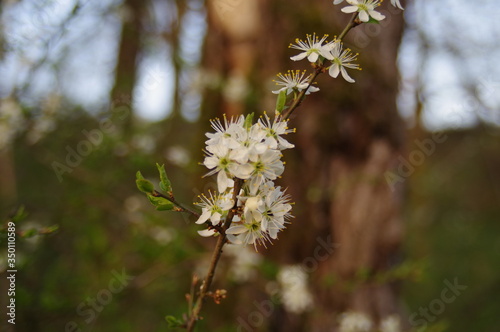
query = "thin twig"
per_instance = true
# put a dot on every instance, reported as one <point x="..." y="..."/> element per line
<point x="221" y="241"/>
<point x="181" y="207"/>
<point x="297" y="101"/>
<point x="353" y="22"/>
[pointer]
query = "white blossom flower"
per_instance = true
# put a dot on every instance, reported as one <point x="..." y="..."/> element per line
<point x="11" y="121"/>
<point x="247" y="232"/>
<point x="274" y="131"/>
<point x="252" y="208"/>
<point x="214" y="207"/>
<point x="275" y="211"/>
<point x="220" y="161"/>
<point x="355" y="322"/>
<point x="296" y="296"/>
<point x="366" y="8"/>
<point x="250" y="143"/>
<point x="341" y="60"/>
<point x="265" y="166"/>
<point x="294" y="80"/>
<point x="390" y="324"/>
<point x="225" y="133"/>
<point x="397" y="4"/>
<point x="336" y="2"/>
<point x="244" y="263"/>
<point x="312" y="48"/>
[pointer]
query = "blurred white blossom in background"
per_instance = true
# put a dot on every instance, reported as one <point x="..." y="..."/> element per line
<point x="295" y="294"/>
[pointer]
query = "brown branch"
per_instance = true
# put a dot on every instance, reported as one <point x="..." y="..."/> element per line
<point x="221" y="241"/>
<point x="181" y="208"/>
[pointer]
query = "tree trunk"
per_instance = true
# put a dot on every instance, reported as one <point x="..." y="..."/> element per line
<point x="348" y="137"/>
<point x="126" y="67"/>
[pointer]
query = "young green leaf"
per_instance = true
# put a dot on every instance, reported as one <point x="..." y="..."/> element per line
<point x="144" y="185"/>
<point x="139" y="176"/>
<point x="161" y="203"/>
<point x="281" y="101"/>
<point x="174" y="322"/>
<point x="29" y="233"/>
<point x="248" y="121"/>
<point x="20" y="214"/>
<point x="165" y="184"/>
<point x="372" y="20"/>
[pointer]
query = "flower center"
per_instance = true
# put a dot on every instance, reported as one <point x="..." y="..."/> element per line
<point x="224" y="162"/>
<point x="259" y="167"/>
<point x="254" y="227"/>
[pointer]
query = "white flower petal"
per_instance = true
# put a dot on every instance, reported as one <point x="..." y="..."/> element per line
<point x="363" y="16"/>
<point x="346" y="76"/>
<point x="237" y="229"/>
<point x="349" y="9"/>
<point x="207" y="232"/>
<point x="334" y="70"/>
<point x="299" y="56"/>
<point x="204" y="216"/>
<point x="222" y="181"/>
<point x="215" y="219"/>
<point x="376" y="15"/>
<point x="313" y="57"/>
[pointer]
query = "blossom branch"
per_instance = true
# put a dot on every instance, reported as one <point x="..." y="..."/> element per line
<point x="248" y="208"/>
<point x="319" y="68"/>
<point x="353" y="22"/>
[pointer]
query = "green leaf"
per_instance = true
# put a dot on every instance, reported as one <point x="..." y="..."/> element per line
<point x="29" y="233"/>
<point x="161" y="203"/>
<point x="248" y="121"/>
<point x="20" y="214"/>
<point x="50" y="229"/>
<point x="165" y="184"/>
<point x="372" y="20"/>
<point x="139" y="176"/>
<point x="281" y="101"/>
<point x="174" y="322"/>
<point x="144" y="185"/>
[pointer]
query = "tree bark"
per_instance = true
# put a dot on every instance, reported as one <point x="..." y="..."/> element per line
<point x="126" y="67"/>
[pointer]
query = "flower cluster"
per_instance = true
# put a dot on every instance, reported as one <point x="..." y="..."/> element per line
<point x="251" y="153"/>
<point x="333" y="51"/>
<point x="317" y="50"/>
<point x="294" y="81"/>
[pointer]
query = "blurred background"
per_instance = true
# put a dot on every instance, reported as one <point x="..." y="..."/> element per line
<point x="395" y="178"/>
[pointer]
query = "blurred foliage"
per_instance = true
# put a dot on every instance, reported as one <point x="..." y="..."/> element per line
<point x="452" y="215"/>
<point x="106" y="225"/>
